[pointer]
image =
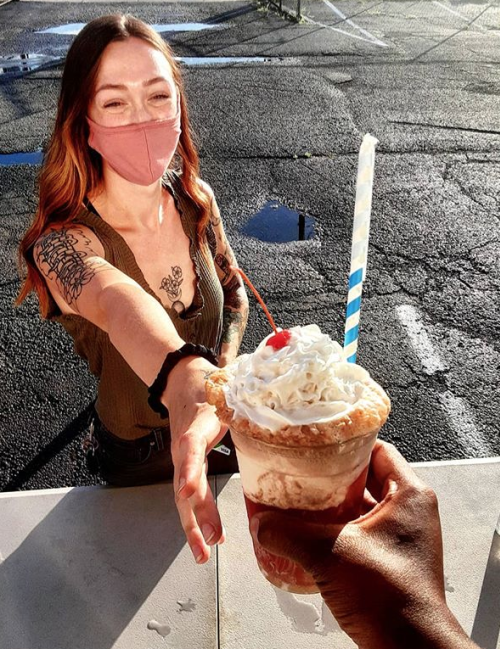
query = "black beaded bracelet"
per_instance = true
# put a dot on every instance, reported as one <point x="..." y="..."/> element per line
<point x="157" y="389"/>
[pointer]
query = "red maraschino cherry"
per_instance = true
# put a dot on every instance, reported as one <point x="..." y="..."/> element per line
<point x="280" y="338"/>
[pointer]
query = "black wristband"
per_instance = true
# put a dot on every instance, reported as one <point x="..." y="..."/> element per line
<point x="157" y="389"/>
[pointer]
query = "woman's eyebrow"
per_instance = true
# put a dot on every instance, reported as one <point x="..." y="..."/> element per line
<point x="118" y="86"/>
<point x="155" y="80"/>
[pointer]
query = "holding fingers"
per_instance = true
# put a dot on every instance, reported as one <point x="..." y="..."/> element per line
<point x="382" y="574"/>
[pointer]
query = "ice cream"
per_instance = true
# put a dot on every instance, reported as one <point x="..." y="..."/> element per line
<point x="303" y="392"/>
<point x="303" y="422"/>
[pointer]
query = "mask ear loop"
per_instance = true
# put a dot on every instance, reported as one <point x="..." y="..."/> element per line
<point x="178" y="100"/>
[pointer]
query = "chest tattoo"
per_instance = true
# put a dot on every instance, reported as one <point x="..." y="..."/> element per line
<point x="172" y="286"/>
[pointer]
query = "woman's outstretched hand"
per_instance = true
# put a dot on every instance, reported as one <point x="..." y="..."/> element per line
<point x="382" y="574"/>
<point x="195" y="430"/>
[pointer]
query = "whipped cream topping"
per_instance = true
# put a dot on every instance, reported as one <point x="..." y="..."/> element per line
<point x="307" y="381"/>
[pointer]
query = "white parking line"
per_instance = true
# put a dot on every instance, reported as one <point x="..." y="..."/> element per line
<point x="464" y="18"/>
<point x="462" y="422"/>
<point x="219" y="60"/>
<point x="419" y="338"/>
<point x="455" y="13"/>
<point x="336" y="29"/>
<point x="459" y="412"/>
<point x="73" y="29"/>
<point x="353" y="24"/>
<point x="310" y="21"/>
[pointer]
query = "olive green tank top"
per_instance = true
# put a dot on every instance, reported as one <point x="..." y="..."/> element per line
<point x="122" y="400"/>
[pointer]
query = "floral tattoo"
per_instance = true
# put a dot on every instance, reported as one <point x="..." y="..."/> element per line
<point x="172" y="286"/>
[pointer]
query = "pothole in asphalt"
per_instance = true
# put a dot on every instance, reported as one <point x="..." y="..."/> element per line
<point x="277" y="223"/>
<point x="15" y="63"/>
<point x="21" y="158"/>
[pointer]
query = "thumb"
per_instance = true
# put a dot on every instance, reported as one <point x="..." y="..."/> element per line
<point x="309" y="544"/>
<point x="217" y="438"/>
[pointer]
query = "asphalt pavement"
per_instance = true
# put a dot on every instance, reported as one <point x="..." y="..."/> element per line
<point x="422" y="77"/>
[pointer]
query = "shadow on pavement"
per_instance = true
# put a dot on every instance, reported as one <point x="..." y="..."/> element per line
<point x="79" y="577"/>
<point x="65" y="437"/>
<point x="232" y="13"/>
<point x="486" y="628"/>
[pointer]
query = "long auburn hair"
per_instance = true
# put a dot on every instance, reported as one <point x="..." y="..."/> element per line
<point x="70" y="168"/>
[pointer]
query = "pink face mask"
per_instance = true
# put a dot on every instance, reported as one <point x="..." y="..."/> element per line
<point x="140" y="153"/>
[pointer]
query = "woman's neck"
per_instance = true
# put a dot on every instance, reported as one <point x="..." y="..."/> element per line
<point x="127" y="206"/>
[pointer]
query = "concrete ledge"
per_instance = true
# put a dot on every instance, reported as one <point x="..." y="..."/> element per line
<point x="101" y="568"/>
<point x="109" y="568"/>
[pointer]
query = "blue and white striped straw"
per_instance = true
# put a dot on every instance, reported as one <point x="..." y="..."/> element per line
<point x="359" y="250"/>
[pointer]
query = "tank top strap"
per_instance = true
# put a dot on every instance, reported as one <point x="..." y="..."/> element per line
<point x="185" y="205"/>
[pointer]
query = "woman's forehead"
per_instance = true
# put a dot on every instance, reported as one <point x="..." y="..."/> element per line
<point x="131" y="61"/>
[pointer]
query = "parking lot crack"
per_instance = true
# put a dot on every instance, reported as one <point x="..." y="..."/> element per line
<point x="468" y="195"/>
<point x="438" y="266"/>
<point x="467" y="129"/>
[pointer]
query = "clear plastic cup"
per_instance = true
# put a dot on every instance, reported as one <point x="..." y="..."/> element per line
<point x="321" y="484"/>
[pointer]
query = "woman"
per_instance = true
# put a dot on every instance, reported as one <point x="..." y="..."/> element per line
<point x="130" y="256"/>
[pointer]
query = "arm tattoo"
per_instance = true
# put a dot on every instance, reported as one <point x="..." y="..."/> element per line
<point x="223" y="263"/>
<point x="59" y="256"/>
<point x="231" y="282"/>
<point x="231" y="325"/>
<point x="214" y="220"/>
<point x="235" y="311"/>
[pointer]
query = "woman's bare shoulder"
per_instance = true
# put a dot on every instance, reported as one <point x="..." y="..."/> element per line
<point x="205" y="187"/>
<point x="63" y="238"/>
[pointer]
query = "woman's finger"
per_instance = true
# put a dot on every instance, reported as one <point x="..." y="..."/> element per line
<point x="190" y="460"/>
<point x="192" y="447"/>
<point x="194" y="536"/>
<point x="196" y="542"/>
<point x="205" y="512"/>
<point x="214" y="439"/>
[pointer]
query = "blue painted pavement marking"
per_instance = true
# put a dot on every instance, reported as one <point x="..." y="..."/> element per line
<point x="22" y="158"/>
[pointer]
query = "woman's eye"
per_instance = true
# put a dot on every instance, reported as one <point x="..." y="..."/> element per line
<point x="113" y="104"/>
<point x="161" y="96"/>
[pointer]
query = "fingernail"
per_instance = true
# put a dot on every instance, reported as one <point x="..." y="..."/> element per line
<point x="208" y="532"/>
<point x="198" y="554"/>
<point x="182" y="484"/>
<point x="254" y="527"/>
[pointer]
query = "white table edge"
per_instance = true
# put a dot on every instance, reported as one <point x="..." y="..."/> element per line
<point x="234" y="476"/>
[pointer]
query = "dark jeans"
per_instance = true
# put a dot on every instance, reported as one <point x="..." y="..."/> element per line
<point x="146" y="460"/>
